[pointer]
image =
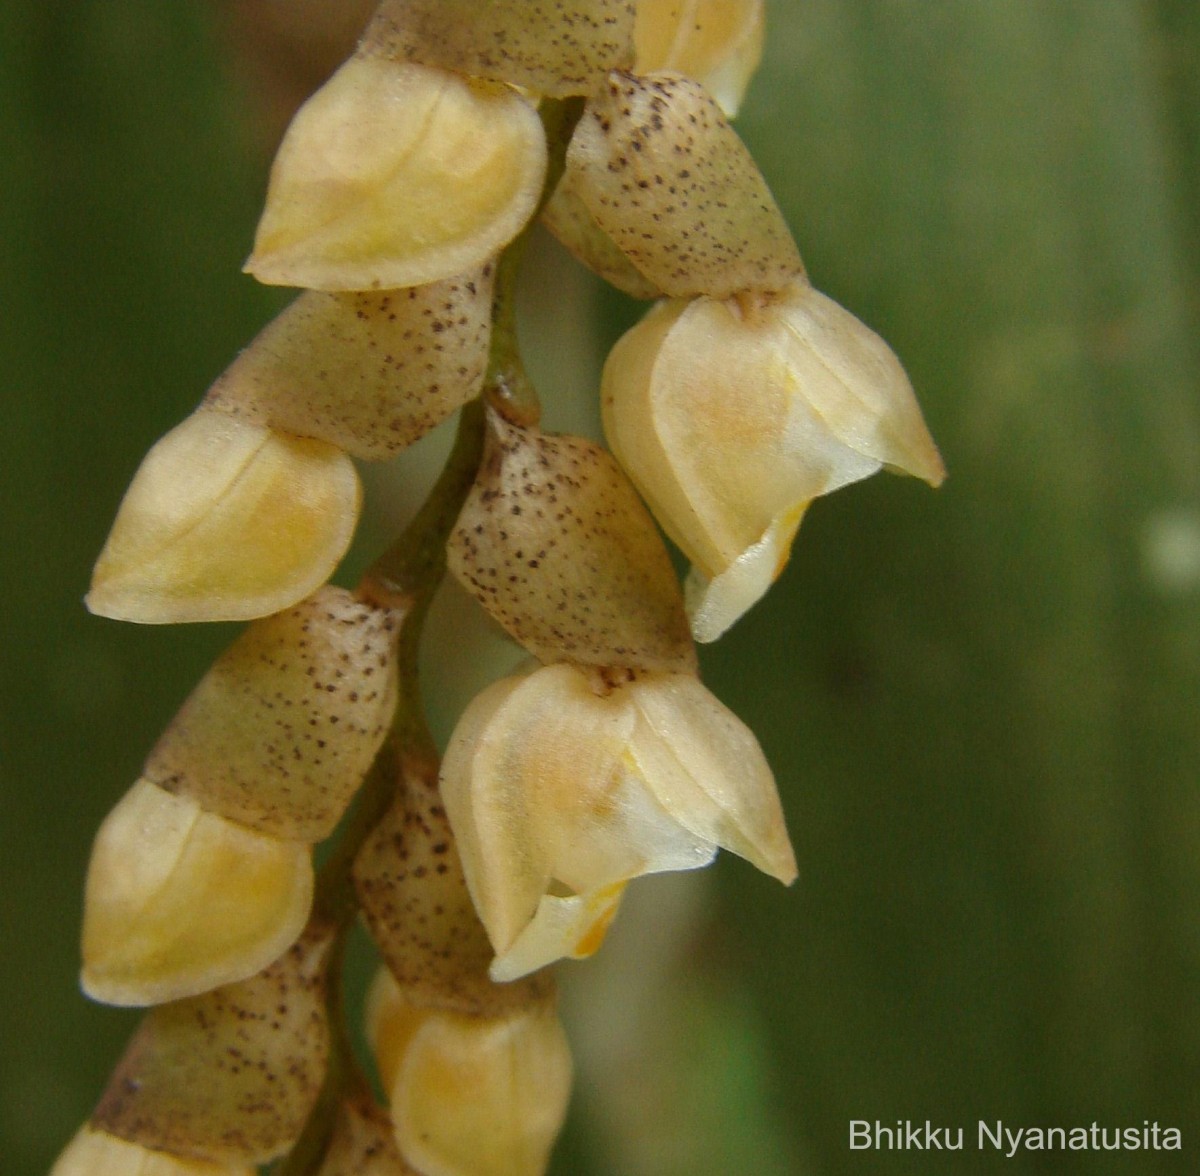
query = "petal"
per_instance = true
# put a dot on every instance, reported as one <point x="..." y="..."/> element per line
<point x="281" y="731"/>
<point x="657" y="154"/>
<point x="368" y="372"/>
<point x="363" y="1143"/>
<point x="714" y="605"/>
<point x="554" y="47"/>
<point x="555" y="544"/>
<point x="225" y="521"/>
<point x="523" y="754"/>
<point x="707" y="770"/>
<point x="396" y="174"/>
<point x="571" y="927"/>
<point x="854" y="380"/>
<point x="179" y="901"/>
<point x="96" y="1153"/>
<point x="717" y="42"/>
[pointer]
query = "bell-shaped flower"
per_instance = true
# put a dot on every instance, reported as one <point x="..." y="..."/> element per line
<point x="96" y="1153"/>
<point x="230" y="1076"/>
<point x="717" y="42"/>
<point x="554" y="47"/>
<point x="281" y="731"/>
<point x="179" y="900"/>
<point x="564" y="784"/>
<point x="369" y="372"/>
<point x="731" y="417"/>
<point x="397" y="174"/>
<point x="666" y="178"/>
<point x="471" y="1095"/>
<point x="226" y="520"/>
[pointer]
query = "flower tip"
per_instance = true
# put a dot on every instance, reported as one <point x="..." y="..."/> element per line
<point x="179" y="901"/>
<point x="213" y="491"/>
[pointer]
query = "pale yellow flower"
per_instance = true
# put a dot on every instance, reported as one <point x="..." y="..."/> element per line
<point x="563" y="785"/>
<point x="96" y="1153"/>
<point x="732" y="416"/>
<point x="470" y="1095"/>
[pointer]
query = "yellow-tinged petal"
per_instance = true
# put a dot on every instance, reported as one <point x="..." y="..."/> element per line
<point x="179" y="901"/>
<point x="667" y="178"/>
<point x="229" y="1076"/>
<point x="396" y="174"/>
<point x="225" y="520"/>
<point x="281" y="731"/>
<point x="571" y="927"/>
<point x="705" y="767"/>
<point x="555" y="544"/>
<point x="471" y="1096"/>
<point x="730" y="417"/>
<point x="554" y="47"/>
<point x="717" y="42"/>
<point x="368" y="372"/>
<point x="96" y="1153"/>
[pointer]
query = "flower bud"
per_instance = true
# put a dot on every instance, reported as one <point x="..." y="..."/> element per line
<point x="96" y="1153"/>
<point x="556" y="546"/>
<point x="667" y="178"/>
<point x="717" y="42"/>
<point x="553" y="47"/>
<point x="397" y="174"/>
<point x="731" y="417"/>
<point x="280" y="732"/>
<point x="178" y="900"/>
<point x="471" y="1095"/>
<point x="564" y="784"/>
<point x="363" y="1143"/>
<point x="229" y="1076"/>
<point x="368" y="372"/>
<point x="225" y="521"/>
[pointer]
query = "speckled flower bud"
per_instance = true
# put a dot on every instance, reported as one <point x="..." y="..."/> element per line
<point x="368" y="372"/>
<point x="730" y="417"/>
<point x="554" y="47"/>
<point x="230" y="1076"/>
<point x="178" y="900"/>
<point x="96" y="1153"/>
<point x="554" y="543"/>
<point x="396" y="174"/>
<point x="364" y="1143"/>
<point x="667" y="178"/>
<point x="563" y="785"/>
<point x="717" y="42"/>
<point x="280" y="732"/>
<point x="225" y="520"/>
<point x="471" y="1095"/>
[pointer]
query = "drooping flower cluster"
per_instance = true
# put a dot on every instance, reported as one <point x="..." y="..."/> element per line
<point x="397" y="203"/>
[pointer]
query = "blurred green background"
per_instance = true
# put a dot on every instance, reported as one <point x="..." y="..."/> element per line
<point x="981" y="704"/>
